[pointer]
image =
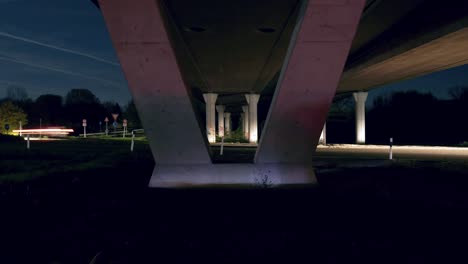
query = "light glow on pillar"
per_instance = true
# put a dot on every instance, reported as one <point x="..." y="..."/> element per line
<point x="323" y="135"/>
<point x="252" y="99"/>
<point x="245" y="120"/>
<point x="220" y="109"/>
<point x="210" y="100"/>
<point x="227" y="123"/>
<point x="360" y="99"/>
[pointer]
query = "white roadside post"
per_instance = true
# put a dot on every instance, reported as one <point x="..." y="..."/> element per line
<point x="27" y="143"/>
<point x="124" y="127"/>
<point x="106" y="120"/>
<point x="391" y="149"/>
<point x="133" y="141"/>
<point x="20" y="128"/>
<point x="84" y="127"/>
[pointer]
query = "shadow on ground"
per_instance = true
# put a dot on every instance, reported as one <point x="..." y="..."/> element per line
<point x="391" y="214"/>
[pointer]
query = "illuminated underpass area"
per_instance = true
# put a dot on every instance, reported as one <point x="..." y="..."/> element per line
<point x="269" y="71"/>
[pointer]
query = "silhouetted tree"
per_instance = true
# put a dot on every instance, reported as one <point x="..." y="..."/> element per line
<point x="131" y="114"/>
<point x="11" y="114"/>
<point x="49" y="108"/>
<point x="83" y="104"/>
<point x="409" y="117"/>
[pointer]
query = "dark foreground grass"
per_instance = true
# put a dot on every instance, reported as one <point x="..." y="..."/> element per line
<point x="18" y="164"/>
<point x="410" y="212"/>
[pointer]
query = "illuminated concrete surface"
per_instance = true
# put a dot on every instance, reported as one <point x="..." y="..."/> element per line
<point x="308" y="81"/>
<point x="323" y="135"/>
<point x="227" y="123"/>
<point x="401" y="39"/>
<point x="235" y="144"/>
<point x="395" y="40"/>
<point x="162" y="68"/>
<point x="189" y="175"/>
<point x="252" y="100"/>
<point x="220" y="109"/>
<point x="210" y="102"/>
<point x="360" y="112"/>
<point x="161" y="97"/>
<point x="399" y="152"/>
<point x="245" y="120"/>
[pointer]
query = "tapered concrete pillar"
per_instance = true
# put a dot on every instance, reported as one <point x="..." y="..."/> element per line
<point x="307" y="83"/>
<point x="245" y="120"/>
<point x="220" y="109"/>
<point x="360" y="98"/>
<point x="227" y="123"/>
<point x="323" y="136"/>
<point x="210" y="100"/>
<point x="252" y="99"/>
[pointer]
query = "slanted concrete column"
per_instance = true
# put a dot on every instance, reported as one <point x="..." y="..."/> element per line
<point x="360" y="98"/>
<point x="210" y="100"/>
<point x="245" y="120"/>
<point x="252" y="99"/>
<point x="227" y="123"/>
<point x="220" y="109"/>
<point x="323" y="136"/>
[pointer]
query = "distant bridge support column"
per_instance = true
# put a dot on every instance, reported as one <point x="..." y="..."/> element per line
<point x="245" y="120"/>
<point x="220" y="109"/>
<point x="360" y="98"/>
<point x="252" y="99"/>
<point x="210" y="100"/>
<point x="227" y="123"/>
<point x="323" y="136"/>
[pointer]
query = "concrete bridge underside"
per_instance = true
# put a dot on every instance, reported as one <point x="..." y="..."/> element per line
<point x="161" y="69"/>
<point x="188" y="61"/>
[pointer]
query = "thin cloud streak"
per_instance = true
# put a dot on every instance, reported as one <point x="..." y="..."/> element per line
<point x="8" y="35"/>
<point x="60" y="70"/>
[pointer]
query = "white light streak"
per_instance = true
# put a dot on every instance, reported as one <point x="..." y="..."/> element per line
<point x="74" y="52"/>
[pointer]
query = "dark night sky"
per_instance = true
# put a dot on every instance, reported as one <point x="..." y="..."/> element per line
<point x="77" y="52"/>
<point x="52" y="46"/>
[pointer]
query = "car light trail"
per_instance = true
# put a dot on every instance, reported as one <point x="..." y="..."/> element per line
<point x="44" y="131"/>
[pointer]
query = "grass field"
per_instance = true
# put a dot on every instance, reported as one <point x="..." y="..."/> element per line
<point x="78" y="200"/>
<point x="71" y="155"/>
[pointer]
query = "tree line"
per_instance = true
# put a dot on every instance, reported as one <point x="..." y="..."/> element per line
<point x="408" y="117"/>
<point x="69" y="111"/>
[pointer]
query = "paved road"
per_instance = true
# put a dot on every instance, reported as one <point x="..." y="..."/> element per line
<point x="399" y="152"/>
<point x="235" y="152"/>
